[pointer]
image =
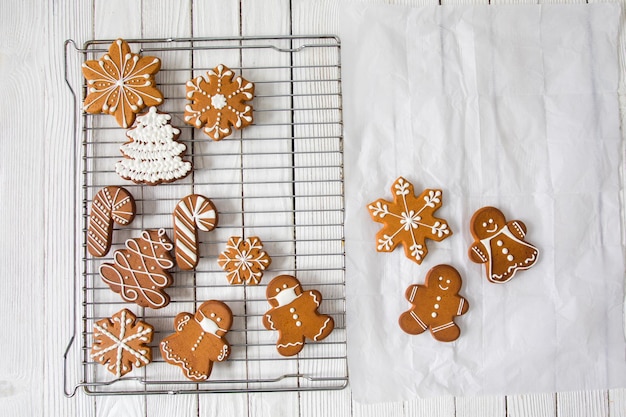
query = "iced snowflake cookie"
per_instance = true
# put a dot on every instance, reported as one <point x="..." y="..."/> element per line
<point x="153" y="155"/>
<point x="199" y="340"/>
<point x="500" y="245"/>
<point x="121" y="342"/>
<point x="121" y="83"/>
<point x="192" y="213"/>
<point x="435" y="304"/>
<point x="294" y="315"/>
<point x="219" y="102"/>
<point x="244" y="260"/>
<point x="110" y="205"/>
<point x="139" y="272"/>
<point x="409" y="220"/>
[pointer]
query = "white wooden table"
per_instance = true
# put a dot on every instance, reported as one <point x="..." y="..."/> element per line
<point x="36" y="189"/>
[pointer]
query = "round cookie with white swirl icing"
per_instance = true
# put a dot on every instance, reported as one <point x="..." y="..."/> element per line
<point x="139" y="272"/>
<point x="153" y="155"/>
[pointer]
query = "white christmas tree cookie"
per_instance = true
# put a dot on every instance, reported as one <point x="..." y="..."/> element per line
<point x="153" y="155"/>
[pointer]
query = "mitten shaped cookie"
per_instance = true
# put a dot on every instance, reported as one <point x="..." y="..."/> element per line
<point x="199" y="340"/>
<point x="294" y="314"/>
<point x="500" y="245"/>
<point x="139" y="273"/>
<point x="435" y="305"/>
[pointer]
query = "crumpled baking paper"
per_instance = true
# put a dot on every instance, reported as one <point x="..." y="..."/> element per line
<point x="510" y="106"/>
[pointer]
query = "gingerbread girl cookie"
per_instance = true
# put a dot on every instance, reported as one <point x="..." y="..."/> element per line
<point x="139" y="272"/>
<point x="435" y="305"/>
<point x="500" y="245"/>
<point x="199" y="340"/>
<point x="294" y="314"/>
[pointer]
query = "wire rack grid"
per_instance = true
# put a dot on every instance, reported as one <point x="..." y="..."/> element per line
<point x="280" y="179"/>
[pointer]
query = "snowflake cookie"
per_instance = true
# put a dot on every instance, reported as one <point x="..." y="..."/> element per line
<point x="121" y="342"/>
<point x="121" y="83"/>
<point x="408" y="220"/>
<point x="218" y="102"/>
<point x="244" y="260"/>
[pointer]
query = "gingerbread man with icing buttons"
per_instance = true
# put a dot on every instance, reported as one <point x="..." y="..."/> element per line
<point x="435" y="305"/>
<point x="500" y="245"/>
<point x="199" y="340"/>
<point x="294" y="315"/>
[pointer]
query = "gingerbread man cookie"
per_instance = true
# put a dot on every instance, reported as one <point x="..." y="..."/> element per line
<point x="500" y="245"/>
<point x="139" y="272"/>
<point x="294" y="314"/>
<point x="435" y="305"/>
<point x="409" y="220"/>
<point x="199" y="340"/>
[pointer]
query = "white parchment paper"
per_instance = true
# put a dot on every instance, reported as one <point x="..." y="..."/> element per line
<point x="511" y="106"/>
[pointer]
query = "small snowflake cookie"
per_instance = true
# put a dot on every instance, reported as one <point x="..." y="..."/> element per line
<point x="199" y="340"/>
<point x="153" y="154"/>
<point x="121" y="342"/>
<point x="435" y="304"/>
<point x="294" y="314"/>
<point x="500" y="245"/>
<point x="121" y="83"/>
<point x="219" y="102"/>
<point x="409" y="220"/>
<point x="192" y="213"/>
<point x="244" y="260"/>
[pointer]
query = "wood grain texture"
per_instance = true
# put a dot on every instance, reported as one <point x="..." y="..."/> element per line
<point x="43" y="270"/>
<point x="22" y="162"/>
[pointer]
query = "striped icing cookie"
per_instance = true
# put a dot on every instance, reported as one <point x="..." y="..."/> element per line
<point x="192" y="213"/>
<point x="110" y="204"/>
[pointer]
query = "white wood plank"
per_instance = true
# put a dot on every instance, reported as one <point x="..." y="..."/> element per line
<point x="617" y="403"/>
<point x="112" y="20"/>
<point x="22" y="162"/>
<point x="374" y="410"/>
<point x="531" y="405"/>
<point x="480" y="407"/>
<point x="432" y="407"/>
<point x="216" y="18"/>
<point x="66" y="19"/>
<point x="579" y="404"/>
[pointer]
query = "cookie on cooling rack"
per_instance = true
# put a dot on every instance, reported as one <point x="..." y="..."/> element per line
<point x="121" y="83"/>
<point x="110" y="205"/>
<point x="219" y="102"/>
<point x="121" y="342"/>
<point x="199" y="340"/>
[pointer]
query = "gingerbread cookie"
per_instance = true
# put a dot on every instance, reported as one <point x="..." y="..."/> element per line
<point x="121" y="342"/>
<point x="121" y="83"/>
<point x="409" y="220"/>
<point x="153" y="154"/>
<point x="192" y="213"/>
<point x="294" y="314"/>
<point x="500" y="245"/>
<point x="110" y="205"/>
<point x="435" y="305"/>
<point x="244" y="260"/>
<point x="199" y="340"/>
<point x="218" y="102"/>
<point x="139" y="273"/>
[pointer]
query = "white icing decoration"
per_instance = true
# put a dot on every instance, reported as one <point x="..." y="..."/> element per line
<point x="153" y="154"/>
<point x="286" y="296"/>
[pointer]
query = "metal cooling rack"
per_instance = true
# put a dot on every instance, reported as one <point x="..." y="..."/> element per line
<point x="280" y="179"/>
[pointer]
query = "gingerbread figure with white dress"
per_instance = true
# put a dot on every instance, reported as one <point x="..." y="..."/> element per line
<point x="500" y="245"/>
<point x="435" y="305"/>
<point x="199" y="340"/>
<point x="294" y="315"/>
